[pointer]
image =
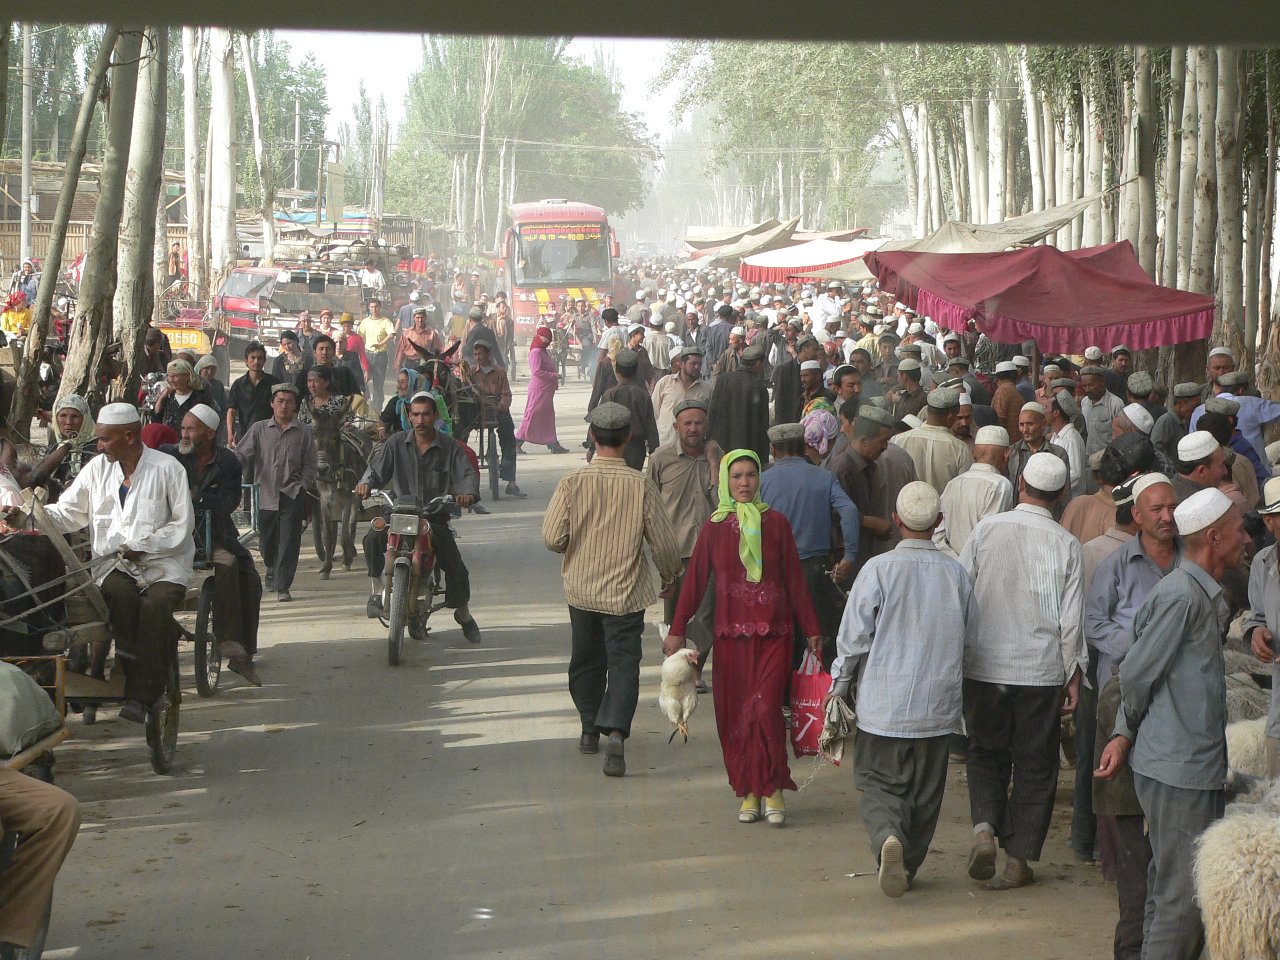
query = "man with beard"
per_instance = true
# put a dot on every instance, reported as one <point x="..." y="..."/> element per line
<point x="213" y="474"/>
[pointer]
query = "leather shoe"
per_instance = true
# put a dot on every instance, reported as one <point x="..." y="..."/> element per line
<point x="515" y="492"/>
<point x="480" y="509"/>
<point x="285" y="596"/>
<point x="615" y="764"/>
<point x="589" y="743"/>
<point x="231" y="649"/>
<point x="134" y="711"/>
<point x="244" y="667"/>
<point x="373" y="608"/>
<point x="556" y="448"/>
<point x="982" y="857"/>
<point x="471" y="630"/>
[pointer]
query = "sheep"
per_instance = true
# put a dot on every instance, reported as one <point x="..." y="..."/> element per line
<point x="1247" y="746"/>
<point x="1237" y="874"/>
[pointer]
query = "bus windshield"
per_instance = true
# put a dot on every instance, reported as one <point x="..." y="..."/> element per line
<point x="560" y="253"/>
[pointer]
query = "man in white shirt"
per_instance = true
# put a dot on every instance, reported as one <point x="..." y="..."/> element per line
<point x="371" y="277"/>
<point x="1064" y="434"/>
<point x="136" y="504"/>
<point x="1022" y="670"/>
<point x="908" y="659"/>
<point x="979" y="492"/>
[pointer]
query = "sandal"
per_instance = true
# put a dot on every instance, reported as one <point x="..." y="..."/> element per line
<point x="749" y="812"/>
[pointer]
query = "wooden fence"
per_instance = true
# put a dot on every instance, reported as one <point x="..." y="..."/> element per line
<point x="77" y="240"/>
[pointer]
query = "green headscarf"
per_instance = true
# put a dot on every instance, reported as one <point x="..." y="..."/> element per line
<point x="750" y="550"/>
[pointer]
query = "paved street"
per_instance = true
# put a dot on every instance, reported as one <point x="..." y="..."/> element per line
<point x="348" y="809"/>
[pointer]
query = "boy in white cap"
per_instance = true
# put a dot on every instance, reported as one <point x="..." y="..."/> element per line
<point x="1173" y="715"/>
<point x="908" y="662"/>
<point x="1022" y="671"/>
<point x="979" y="492"/>
<point x="136" y="504"/>
<point x="1263" y="622"/>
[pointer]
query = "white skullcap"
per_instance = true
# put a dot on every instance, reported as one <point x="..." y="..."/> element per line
<point x="966" y="400"/>
<point x="118" y="415"/>
<point x="737" y="332"/>
<point x="950" y="338"/>
<point x="1222" y="352"/>
<point x="205" y="414"/>
<point x="1202" y="509"/>
<point x="909" y="364"/>
<point x="1021" y="361"/>
<point x="1140" y="417"/>
<point x="916" y="328"/>
<point x="811" y="365"/>
<point x="669" y="326"/>
<point x="1270" y="497"/>
<point x="641" y="294"/>
<point x="912" y="421"/>
<point x="992" y="436"/>
<point x="1148" y="480"/>
<point x="414" y="296"/>
<point x="1032" y="406"/>
<point x="1006" y="366"/>
<point x="634" y="327"/>
<point x="917" y="505"/>
<point x="1046" y="472"/>
<point x="1192" y="447"/>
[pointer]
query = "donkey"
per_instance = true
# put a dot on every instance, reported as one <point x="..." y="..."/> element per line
<point x="341" y="457"/>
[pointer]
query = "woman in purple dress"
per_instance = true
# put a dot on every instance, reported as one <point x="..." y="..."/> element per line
<point x="539" y="422"/>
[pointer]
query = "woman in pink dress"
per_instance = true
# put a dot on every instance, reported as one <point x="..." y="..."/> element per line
<point x="760" y="592"/>
<point x="539" y="422"/>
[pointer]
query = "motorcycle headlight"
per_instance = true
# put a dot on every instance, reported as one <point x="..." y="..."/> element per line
<point x="404" y="524"/>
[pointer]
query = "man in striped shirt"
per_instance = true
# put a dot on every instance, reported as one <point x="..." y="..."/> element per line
<point x="600" y="517"/>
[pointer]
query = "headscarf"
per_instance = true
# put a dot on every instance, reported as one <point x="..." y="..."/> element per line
<point x="750" y="549"/>
<point x="156" y="435"/>
<point x="402" y="403"/>
<point x="75" y="402"/>
<point x="205" y="362"/>
<point x="542" y="338"/>
<point x="820" y="428"/>
<point x="818" y="403"/>
<point x="177" y="367"/>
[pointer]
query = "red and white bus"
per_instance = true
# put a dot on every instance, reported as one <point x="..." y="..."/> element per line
<point x="557" y="249"/>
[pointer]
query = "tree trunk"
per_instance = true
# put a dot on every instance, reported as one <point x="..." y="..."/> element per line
<point x="1173" y="165"/>
<point x="1070" y="136"/>
<point x="266" y="177"/>
<point x="1206" y="185"/>
<point x="997" y="126"/>
<point x="1253" y="248"/>
<point x="223" y="245"/>
<point x="197" y="253"/>
<point x="6" y="30"/>
<point x="971" y="161"/>
<point x="1051" y="143"/>
<point x="1190" y="136"/>
<point x="1131" y="205"/>
<point x="1091" y="130"/>
<point x="26" y="392"/>
<point x="92" y="327"/>
<point x="904" y="136"/>
<point x="1145" y="161"/>
<point x="1075" y="156"/>
<point x="923" y="192"/>
<point x="497" y="207"/>
<point x="1230" y="240"/>
<point x="1268" y="227"/>
<point x="1035" y="154"/>
<point x="135" y="292"/>
<point x="936" y="209"/>
<point x="1111" y="201"/>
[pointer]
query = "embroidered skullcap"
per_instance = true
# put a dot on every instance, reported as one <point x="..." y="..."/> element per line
<point x="877" y="415"/>
<point x="992" y="436"/>
<point x="917" y="505"/>
<point x="1006" y="366"/>
<point x="1140" y="417"/>
<point x="1046" y="472"/>
<point x="1196" y="446"/>
<point x="1032" y="406"/>
<point x="1145" y="480"/>
<point x="1202" y="509"/>
<point x="1140" y="384"/>
<point x="1236" y="378"/>
<point x="610" y="416"/>
<point x="690" y="403"/>
<point x="811" y="365"/>
<point x="119" y="415"/>
<point x="1222" y="352"/>
<point x="1021" y="361"/>
<point x="1066" y="403"/>
<point x="909" y="364"/>
<point x="944" y="398"/>
<point x="1093" y="371"/>
<point x="782" y="432"/>
<point x="1223" y="403"/>
<point x="1093" y="353"/>
<point x="206" y="415"/>
<point x="737" y="332"/>
<point x="1187" y="390"/>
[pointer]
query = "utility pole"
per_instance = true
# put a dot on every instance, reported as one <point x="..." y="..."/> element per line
<point x="320" y="183"/>
<point x="24" y="203"/>
<point x="297" y="145"/>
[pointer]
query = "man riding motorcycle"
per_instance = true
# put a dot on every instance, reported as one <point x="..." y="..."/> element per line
<point x="420" y="464"/>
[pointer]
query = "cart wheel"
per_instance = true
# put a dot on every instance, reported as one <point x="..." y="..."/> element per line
<point x="208" y="660"/>
<point x="398" y="616"/>
<point x="162" y="729"/>
<point x="494" y="457"/>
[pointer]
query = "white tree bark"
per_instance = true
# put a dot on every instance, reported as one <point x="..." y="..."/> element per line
<point x="197" y="255"/>
<point x="1206" y="187"/>
<point x="977" y="203"/>
<point x="223" y="245"/>
<point x="1051" y="143"/>
<point x="1230" y="236"/>
<point x="1092" y="134"/>
<point x="1145" y="161"/>
<point x="904" y="134"/>
<point x="1035" y="147"/>
<point x="1070" y="139"/>
<point x="135" y="289"/>
<point x="923" y="190"/>
<point x="936" y="208"/>
<point x="266" y="177"/>
<point x="1190" y="137"/>
<point x="997" y="127"/>
<point x="1173" y="166"/>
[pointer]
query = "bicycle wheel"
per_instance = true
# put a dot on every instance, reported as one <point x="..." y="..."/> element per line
<point x="208" y="660"/>
<point x="162" y="728"/>
<point x="398" y="615"/>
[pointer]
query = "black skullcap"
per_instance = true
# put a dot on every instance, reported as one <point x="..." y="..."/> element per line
<point x="1128" y="454"/>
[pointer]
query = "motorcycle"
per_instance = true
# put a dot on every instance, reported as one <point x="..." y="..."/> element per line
<point x="410" y="578"/>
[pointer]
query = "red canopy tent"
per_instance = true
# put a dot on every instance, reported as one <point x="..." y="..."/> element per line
<point x="1063" y="300"/>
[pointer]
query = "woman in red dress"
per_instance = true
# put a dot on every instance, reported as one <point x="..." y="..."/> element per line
<point x="760" y="592"/>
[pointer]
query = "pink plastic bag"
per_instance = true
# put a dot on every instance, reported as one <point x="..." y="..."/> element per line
<point x="809" y="685"/>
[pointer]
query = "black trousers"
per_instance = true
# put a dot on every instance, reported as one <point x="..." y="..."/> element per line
<point x="377" y="376"/>
<point x="604" y="668"/>
<point x="829" y="606"/>
<point x="1013" y="734"/>
<point x="633" y="453"/>
<point x="457" y="579"/>
<point x="280" y="538"/>
<point x="144" y="630"/>
<point x="237" y="599"/>
<point x="507" y="446"/>
<point x="1133" y="860"/>
<point x="1084" y="825"/>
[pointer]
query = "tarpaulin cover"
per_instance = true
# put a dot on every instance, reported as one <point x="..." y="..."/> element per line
<point x="1064" y="301"/>
<point x="702" y="238"/>
<point x="955" y="236"/>
<point x="752" y="243"/>
<point x="775" y="266"/>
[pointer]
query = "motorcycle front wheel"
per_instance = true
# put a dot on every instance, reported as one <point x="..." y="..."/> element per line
<point x="398" y="614"/>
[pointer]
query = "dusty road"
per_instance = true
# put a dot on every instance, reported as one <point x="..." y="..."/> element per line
<point x="348" y="809"/>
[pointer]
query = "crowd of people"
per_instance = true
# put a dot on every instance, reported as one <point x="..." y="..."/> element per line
<point x="974" y="541"/>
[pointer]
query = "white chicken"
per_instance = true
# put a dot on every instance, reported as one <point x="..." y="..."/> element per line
<point x="678" y="693"/>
